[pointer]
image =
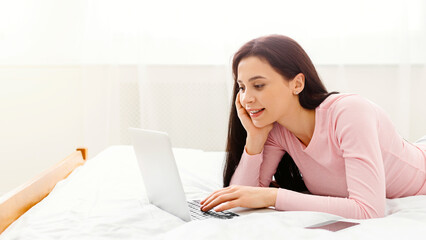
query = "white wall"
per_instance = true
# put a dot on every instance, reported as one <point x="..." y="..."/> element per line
<point x="48" y="111"/>
<point x="41" y="119"/>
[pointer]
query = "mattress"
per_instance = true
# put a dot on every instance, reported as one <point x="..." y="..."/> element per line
<point x="105" y="199"/>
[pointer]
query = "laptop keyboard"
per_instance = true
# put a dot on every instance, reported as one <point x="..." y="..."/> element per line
<point x="196" y="213"/>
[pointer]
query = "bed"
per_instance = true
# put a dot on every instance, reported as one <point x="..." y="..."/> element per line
<point x="104" y="198"/>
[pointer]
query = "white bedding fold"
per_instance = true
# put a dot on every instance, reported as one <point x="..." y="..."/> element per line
<point x="105" y="199"/>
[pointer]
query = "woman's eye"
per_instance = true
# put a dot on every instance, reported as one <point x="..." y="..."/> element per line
<point x="259" y="86"/>
<point x="241" y="88"/>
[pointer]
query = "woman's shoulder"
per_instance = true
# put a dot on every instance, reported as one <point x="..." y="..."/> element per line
<point x="352" y="111"/>
<point x="343" y="101"/>
<point x="343" y="109"/>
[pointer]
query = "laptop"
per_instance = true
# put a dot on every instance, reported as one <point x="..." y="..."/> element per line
<point x="163" y="185"/>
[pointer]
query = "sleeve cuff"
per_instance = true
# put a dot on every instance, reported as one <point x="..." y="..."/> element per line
<point x="279" y="201"/>
<point x="247" y="155"/>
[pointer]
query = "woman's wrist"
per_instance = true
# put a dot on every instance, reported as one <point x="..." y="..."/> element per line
<point x="252" y="151"/>
<point x="253" y="146"/>
<point x="272" y="196"/>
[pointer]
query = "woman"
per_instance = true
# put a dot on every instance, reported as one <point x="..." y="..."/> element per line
<point x="329" y="152"/>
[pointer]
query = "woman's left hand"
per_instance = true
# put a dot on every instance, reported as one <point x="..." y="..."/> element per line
<point x="240" y="196"/>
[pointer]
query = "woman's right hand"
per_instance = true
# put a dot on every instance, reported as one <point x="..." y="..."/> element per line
<point x="256" y="137"/>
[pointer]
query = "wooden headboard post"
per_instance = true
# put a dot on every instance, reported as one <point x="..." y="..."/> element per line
<point x="83" y="152"/>
<point x="18" y="201"/>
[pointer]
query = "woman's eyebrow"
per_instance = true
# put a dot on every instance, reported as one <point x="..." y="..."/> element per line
<point x="252" y="78"/>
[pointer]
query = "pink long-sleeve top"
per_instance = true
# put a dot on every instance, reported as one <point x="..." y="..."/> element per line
<point x="354" y="161"/>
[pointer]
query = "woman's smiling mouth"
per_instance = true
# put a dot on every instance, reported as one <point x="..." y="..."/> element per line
<point x="255" y="113"/>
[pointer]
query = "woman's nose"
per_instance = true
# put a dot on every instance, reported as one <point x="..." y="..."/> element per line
<point x="246" y="98"/>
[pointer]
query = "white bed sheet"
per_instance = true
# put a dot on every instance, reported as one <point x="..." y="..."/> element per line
<point x="105" y="199"/>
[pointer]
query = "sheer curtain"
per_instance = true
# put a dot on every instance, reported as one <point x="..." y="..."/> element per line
<point x="180" y="54"/>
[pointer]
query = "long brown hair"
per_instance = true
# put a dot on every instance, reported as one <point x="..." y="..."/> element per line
<point x="288" y="58"/>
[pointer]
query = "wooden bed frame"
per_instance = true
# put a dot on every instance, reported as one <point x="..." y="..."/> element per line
<point x="21" y="199"/>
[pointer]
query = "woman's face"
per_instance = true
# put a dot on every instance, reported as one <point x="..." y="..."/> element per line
<point x="265" y="94"/>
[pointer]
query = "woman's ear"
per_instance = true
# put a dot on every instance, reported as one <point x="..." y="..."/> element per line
<point x="298" y="83"/>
